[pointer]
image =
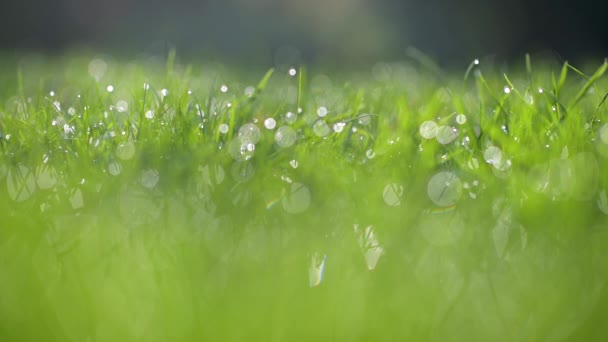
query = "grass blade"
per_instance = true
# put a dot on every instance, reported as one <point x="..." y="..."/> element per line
<point x="598" y="74"/>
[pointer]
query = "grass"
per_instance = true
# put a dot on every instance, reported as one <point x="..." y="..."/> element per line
<point x="157" y="201"/>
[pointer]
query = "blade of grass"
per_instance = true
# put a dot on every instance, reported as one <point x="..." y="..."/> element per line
<point x="597" y="75"/>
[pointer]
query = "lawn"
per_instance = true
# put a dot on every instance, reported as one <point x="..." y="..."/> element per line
<point x="152" y="199"/>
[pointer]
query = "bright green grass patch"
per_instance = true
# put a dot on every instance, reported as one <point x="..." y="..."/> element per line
<point x="150" y="201"/>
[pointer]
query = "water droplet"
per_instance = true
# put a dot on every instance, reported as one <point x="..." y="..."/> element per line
<point x="446" y="134"/>
<point x="339" y="127"/>
<point x="164" y="92"/>
<point x="46" y="177"/>
<point x="249" y="91"/>
<point x="320" y="128"/>
<point x="241" y="148"/>
<point x="21" y="183"/>
<point x="149" y="115"/>
<point x="125" y="151"/>
<point x="51" y="93"/>
<point x="602" y="202"/>
<point x="270" y="123"/>
<point x="392" y="194"/>
<point x="603" y="133"/>
<point x="507" y="90"/>
<point x="71" y="111"/>
<point x="493" y="156"/>
<point x="529" y="99"/>
<point x="110" y="88"/>
<point x="296" y="199"/>
<point x="285" y="136"/>
<point x="149" y="178"/>
<point x="322" y="112"/>
<point x="250" y="133"/>
<point x="97" y="68"/>
<point x="76" y="199"/>
<point x="428" y="129"/>
<point x="292" y="72"/>
<point x="444" y="189"/>
<point x="224" y="128"/>
<point x="461" y="119"/>
<point x="370" y="154"/>
<point x="224" y="88"/>
<point x="294" y="163"/>
<point x="476" y="62"/>
<point x="370" y="246"/>
<point x="122" y="106"/>
<point x="242" y="171"/>
<point x="290" y="117"/>
<point x="316" y="271"/>
<point x="146" y="86"/>
<point x="114" y="168"/>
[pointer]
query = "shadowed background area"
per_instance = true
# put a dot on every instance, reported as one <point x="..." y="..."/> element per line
<point x="314" y="31"/>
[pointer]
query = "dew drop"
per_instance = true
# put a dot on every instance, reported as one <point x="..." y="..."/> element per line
<point x="370" y="246"/>
<point x="285" y="136"/>
<point x="46" y="177"/>
<point x="270" y="123"/>
<point x="110" y="88"/>
<point x="461" y="119"/>
<point x="76" y="199"/>
<point x="322" y="112"/>
<point x="339" y="127"/>
<point x="493" y="155"/>
<point x="392" y="194"/>
<point x="224" y="88"/>
<point x="149" y="115"/>
<point x="125" y="151"/>
<point x="290" y="117"/>
<point x="321" y="129"/>
<point x="444" y="189"/>
<point x="250" y="132"/>
<point x="604" y="134"/>
<point x="292" y="72"/>
<point x="149" y="178"/>
<point x="294" y="163"/>
<point x="316" y="270"/>
<point x="224" y="128"/>
<point x="296" y="199"/>
<point x="446" y="134"/>
<point x="114" y="168"/>
<point x="164" y="92"/>
<point x="122" y="106"/>
<point x="21" y="183"/>
<point x="428" y="129"/>
<point x="370" y="154"/>
<point x="507" y="90"/>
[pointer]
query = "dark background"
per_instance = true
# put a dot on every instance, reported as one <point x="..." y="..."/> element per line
<point x="316" y="31"/>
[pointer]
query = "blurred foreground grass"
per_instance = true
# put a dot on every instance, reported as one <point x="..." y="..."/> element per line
<point x="147" y="201"/>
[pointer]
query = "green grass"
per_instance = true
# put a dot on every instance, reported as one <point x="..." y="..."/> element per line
<point x="424" y="205"/>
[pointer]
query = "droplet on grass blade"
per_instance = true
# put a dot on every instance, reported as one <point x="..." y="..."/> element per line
<point x="444" y="189"/>
<point x="392" y="194"/>
<point x="322" y="112"/>
<point x="270" y="123"/>
<point x="290" y="117"/>
<point x="46" y="177"/>
<point x="114" y="168"/>
<point x="125" y="151"/>
<point x="250" y="132"/>
<point x="321" y="129"/>
<point x="370" y="246"/>
<point x="149" y="178"/>
<point x="428" y="129"/>
<point x="339" y="127"/>
<point x="316" y="270"/>
<point x="446" y="134"/>
<point x="285" y="136"/>
<point x="296" y="199"/>
<point x="21" y="183"/>
<point x="493" y="156"/>
<point x="76" y="199"/>
<point x="461" y="119"/>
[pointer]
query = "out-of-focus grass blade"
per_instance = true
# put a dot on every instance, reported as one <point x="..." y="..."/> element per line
<point x="599" y="73"/>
